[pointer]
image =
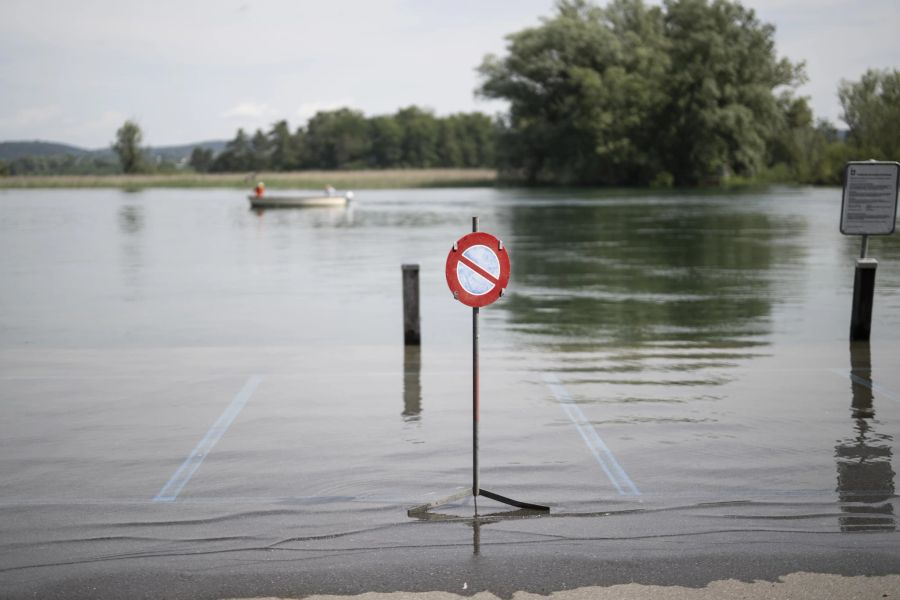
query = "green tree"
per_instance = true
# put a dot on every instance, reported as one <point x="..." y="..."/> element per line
<point x="448" y="144"/>
<point x="128" y="147"/>
<point x="477" y="136"/>
<point x="630" y="93"/>
<point x="201" y="159"/>
<point x="4" y="170"/>
<point x="419" y="138"/>
<point x="259" y="151"/>
<point x="721" y="88"/>
<point x="237" y="156"/>
<point x="300" y="149"/>
<point x="801" y="150"/>
<point x="283" y="155"/>
<point x="871" y="108"/>
<point x="583" y="90"/>
<point x="386" y="138"/>
<point x="337" y="139"/>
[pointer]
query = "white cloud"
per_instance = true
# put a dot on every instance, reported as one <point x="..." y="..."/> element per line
<point x="31" y="117"/>
<point x="199" y="69"/>
<point x="309" y="109"/>
<point x="202" y="33"/>
<point x="840" y="42"/>
<point x="51" y="122"/>
<point x="100" y="127"/>
<point x="250" y="110"/>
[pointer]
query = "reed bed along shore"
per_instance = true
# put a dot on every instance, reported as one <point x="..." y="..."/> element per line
<point x="365" y="179"/>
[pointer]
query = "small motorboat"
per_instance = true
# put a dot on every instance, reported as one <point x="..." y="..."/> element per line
<point x="298" y="201"/>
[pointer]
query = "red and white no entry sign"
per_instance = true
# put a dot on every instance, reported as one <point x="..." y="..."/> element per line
<point x="477" y="269"/>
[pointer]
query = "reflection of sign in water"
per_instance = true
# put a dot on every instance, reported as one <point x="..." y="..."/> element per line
<point x="869" y="205"/>
<point x="477" y="269"/>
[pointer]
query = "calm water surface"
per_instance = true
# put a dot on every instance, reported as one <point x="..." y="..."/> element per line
<point x="683" y="352"/>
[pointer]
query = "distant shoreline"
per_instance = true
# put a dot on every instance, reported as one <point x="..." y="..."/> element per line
<point x="363" y="179"/>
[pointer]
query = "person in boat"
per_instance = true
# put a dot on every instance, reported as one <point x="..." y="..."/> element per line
<point x="330" y="190"/>
<point x="260" y="189"/>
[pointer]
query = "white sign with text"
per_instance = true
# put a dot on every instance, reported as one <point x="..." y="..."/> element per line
<point x="869" y="205"/>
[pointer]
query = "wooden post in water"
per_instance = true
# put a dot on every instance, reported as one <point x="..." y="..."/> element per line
<point x="411" y="322"/>
<point x="863" y="297"/>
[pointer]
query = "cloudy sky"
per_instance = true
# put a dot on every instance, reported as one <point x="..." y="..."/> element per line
<point x="192" y="70"/>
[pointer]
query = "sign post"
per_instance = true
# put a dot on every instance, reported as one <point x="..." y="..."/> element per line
<point x="477" y="272"/>
<point x="868" y="207"/>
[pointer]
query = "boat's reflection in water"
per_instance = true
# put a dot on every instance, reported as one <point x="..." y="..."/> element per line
<point x="315" y="216"/>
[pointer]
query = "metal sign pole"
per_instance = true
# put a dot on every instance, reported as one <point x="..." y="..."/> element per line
<point x="475" y="402"/>
<point x="475" y="398"/>
<point x="498" y="279"/>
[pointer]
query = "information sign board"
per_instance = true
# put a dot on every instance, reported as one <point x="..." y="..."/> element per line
<point x="869" y="205"/>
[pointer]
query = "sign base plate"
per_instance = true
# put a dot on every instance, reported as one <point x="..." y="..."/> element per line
<point x="416" y="511"/>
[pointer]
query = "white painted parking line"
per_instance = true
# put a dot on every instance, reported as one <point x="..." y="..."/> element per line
<point x="176" y="483"/>
<point x="867" y="383"/>
<point x="604" y="456"/>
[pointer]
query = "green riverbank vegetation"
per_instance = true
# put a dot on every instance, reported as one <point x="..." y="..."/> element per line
<point x="688" y="93"/>
<point x="312" y="180"/>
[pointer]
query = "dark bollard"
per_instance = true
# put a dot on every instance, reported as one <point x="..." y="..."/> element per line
<point x="863" y="295"/>
<point x="411" y="323"/>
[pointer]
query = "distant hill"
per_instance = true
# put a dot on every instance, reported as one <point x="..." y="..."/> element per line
<point x="13" y="150"/>
<point x="176" y="153"/>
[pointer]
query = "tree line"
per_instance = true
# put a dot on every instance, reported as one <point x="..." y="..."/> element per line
<point x="347" y="139"/>
<point x="64" y="164"/>
<point x="412" y="137"/>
